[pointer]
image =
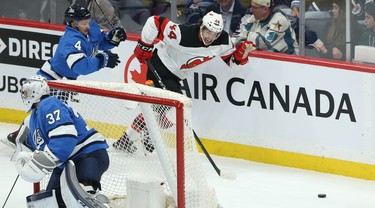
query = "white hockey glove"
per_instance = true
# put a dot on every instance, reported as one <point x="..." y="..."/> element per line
<point x="33" y="167"/>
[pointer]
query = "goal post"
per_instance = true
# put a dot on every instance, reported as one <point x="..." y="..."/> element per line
<point x="173" y="160"/>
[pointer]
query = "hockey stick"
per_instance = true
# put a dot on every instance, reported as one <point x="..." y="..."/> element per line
<point x="110" y="22"/>
<point x="6" y="200"/>
<point x="231" y="176"/>
<point x="227" y="175"/>
<point x="153" y="70"/>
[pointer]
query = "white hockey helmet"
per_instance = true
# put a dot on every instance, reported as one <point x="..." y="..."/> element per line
<point x="32" y="90"/>
<point x="213" y="21"/>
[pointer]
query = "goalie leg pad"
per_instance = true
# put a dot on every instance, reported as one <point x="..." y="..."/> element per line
<point x="73" y="193"/>
<point x="42" y="199"/>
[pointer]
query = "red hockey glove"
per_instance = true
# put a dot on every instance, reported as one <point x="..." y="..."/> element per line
<point x="242" y="52"/>
<point x="143" y="51"/>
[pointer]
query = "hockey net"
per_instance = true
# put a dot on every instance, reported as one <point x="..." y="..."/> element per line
<point x="160" y="148"/>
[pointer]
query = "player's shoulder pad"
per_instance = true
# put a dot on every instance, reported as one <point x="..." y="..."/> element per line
<point x="279" y="22"/>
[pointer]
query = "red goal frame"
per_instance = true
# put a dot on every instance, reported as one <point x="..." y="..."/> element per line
<point x="151" y="100"/>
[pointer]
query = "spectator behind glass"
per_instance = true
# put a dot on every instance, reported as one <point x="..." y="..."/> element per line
<point x="232" y="11"/>
<point x="102" y="12"/>
<point x="336" y="32"/>
<point x="319" y="5"/>
<point x="195" y="2"/>
<point x="368" y="37"/>
<point x="311" y="38"/>
<point x="270" y="30"/>
<point x="282" y="2"/>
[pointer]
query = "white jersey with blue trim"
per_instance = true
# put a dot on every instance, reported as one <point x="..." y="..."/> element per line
<point x="63" y="130"/>
<point x="75" y="54"/>
<point x="273" y="34"/>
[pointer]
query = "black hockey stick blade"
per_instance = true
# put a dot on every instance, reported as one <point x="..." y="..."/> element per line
<point x="223" y="174"/>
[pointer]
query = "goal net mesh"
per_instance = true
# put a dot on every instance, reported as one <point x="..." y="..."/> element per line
<point x="142" y="125"/>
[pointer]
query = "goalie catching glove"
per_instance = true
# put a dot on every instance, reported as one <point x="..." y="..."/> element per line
<point x="108" y="59"/>
<point x="143" y="51"/>
<point x="240" y="55"/>
<point x="34" y="166"/>
<point x="116" y="35"/>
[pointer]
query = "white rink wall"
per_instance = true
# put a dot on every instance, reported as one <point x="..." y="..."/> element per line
<point x="278" y="109"/>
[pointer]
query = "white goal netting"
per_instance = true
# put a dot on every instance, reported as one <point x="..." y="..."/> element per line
<point x="142" y="125"/>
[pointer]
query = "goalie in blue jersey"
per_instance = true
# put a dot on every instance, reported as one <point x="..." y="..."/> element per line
<point x="52" y="135"/>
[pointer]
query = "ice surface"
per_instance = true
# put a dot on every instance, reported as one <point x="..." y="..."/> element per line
<point x="257" y="185"/>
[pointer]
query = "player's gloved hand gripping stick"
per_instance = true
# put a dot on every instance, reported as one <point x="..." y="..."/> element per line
<point x="240" y="55"/>
<point x="143" y="51"/>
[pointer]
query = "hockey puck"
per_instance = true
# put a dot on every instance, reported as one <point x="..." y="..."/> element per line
<point x="322" y="195"/>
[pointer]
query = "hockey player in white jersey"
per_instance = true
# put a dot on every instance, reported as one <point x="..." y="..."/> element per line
<point x="269" y="30"/>
<point x="83" y="49"/>
<point x="55" y="133"/>
<point x="183" y="48"/>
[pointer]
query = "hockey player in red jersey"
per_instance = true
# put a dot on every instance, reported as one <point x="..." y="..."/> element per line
<point x="182" y="49"/>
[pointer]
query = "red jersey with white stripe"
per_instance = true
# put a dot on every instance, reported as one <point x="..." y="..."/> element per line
<point x="180" y="49"/>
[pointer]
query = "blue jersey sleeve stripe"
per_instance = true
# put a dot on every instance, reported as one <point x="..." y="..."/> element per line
<point x="63" y="130"/>
<point x="74" y="58"/>
<point x="87" y="137"/>
<point x="63" y="136"/>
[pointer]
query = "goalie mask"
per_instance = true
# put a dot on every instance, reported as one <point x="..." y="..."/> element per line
<point x="32" y="90"/>
<point x="211" y="28"/>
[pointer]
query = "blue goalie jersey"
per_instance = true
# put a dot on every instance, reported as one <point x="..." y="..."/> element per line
<point x="63" y="130"/>
<point x="76" y="54"/>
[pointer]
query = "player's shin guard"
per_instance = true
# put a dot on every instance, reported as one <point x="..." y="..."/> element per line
<point x="126" y="142"/>
<point x="148" y="145"/>
<point x="73" y="193"/>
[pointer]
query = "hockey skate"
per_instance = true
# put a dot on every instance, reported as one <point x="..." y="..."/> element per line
<point x="96" y="195"/>
<point x="11" y="139"/>
<point x="146" y="141"/>
<point x="125" y="144"/>
<point x="163" y="121"/>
